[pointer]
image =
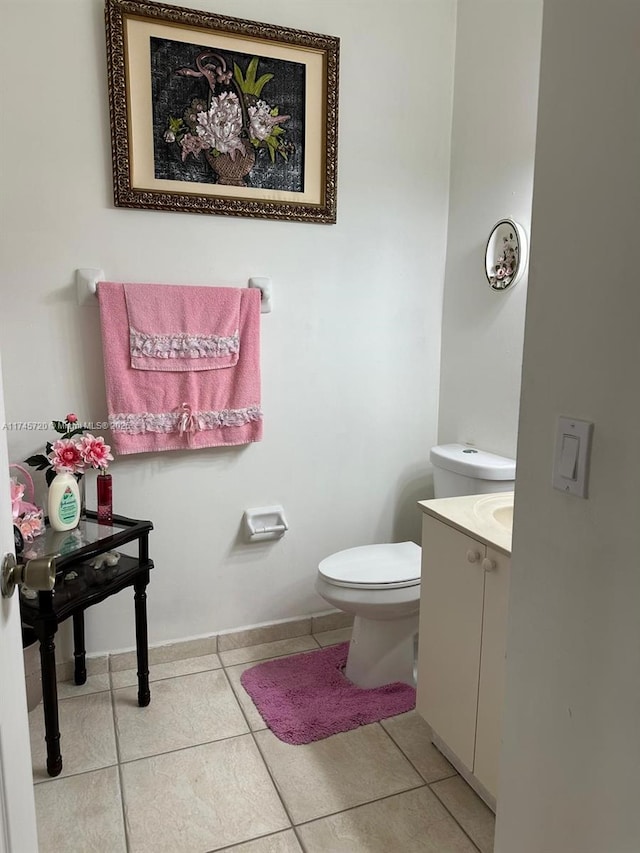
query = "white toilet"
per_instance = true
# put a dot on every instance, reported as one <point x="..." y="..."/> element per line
<point x="380" y="584"/>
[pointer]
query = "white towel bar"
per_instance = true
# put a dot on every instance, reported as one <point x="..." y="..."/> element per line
<point x="87" y="287"/>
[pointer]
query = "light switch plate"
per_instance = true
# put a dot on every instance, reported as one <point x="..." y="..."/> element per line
<point x="582" y="432"/>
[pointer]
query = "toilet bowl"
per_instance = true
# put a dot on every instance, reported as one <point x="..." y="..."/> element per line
<point x="380" y="584"/>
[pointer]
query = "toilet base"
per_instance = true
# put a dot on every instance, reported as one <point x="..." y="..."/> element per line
<point x="382" y="651"/>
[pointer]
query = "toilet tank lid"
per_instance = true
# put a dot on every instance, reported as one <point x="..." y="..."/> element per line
<point x="472" y="462"/>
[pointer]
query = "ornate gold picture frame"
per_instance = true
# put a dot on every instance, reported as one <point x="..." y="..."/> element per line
<point x="211" y="114"/>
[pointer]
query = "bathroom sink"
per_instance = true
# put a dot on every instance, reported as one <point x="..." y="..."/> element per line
<point x="504" y="516"/>
<point x="496" y="509"/>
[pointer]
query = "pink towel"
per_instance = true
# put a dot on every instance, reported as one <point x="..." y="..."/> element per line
<point x="178" y="328"/>
<point x="150" y="410"/>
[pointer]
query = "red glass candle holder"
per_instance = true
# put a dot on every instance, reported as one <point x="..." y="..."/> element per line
<point x="105" y="499"/>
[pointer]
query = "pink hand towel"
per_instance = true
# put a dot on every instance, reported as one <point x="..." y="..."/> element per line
<point x="178" y="328"/>
<point x="152" y="410"/>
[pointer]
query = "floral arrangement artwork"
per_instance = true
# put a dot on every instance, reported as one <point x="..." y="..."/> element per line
<point x="74" y="453"/>
<point x="233" y="124"/>
<point x="506" y="264"/>
<point x="220" y="115"/>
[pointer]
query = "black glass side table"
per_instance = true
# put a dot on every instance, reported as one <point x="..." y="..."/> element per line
<point x="78" y="586"/>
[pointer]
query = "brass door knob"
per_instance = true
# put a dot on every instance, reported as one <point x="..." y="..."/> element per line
<point x="39" y="573"/>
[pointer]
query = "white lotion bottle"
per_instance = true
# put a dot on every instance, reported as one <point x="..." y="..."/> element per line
<point x="64" y="502"/>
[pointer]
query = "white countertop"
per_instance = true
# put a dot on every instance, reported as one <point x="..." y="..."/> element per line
<point x="472" y="514"/>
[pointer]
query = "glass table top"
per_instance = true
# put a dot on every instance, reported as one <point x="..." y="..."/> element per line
<point x="87" y="533"/>
<point x="87" y="539"/>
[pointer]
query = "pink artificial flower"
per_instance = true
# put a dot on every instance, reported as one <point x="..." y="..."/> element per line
<point x="65" y="456"/>
<point x="31" y="524"/>
<point x="222" y="76"/>
<point x="191" y="145"/>
<point x="71" y="418"/>
<point x="17" y="493"/>
<point x="95" y="452"/>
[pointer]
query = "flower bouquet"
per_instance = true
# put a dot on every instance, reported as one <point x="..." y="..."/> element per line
<point x="233" y="123"/>
<point x="74" y="453"/>
<point x="66" y="458"/>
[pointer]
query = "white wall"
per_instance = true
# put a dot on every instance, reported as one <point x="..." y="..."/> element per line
<point x="492" y="151"/>
<point x="350" y="355"/>
<point x="569" y="778"/>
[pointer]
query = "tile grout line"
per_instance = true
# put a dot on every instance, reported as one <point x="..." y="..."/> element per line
<point x="277" y="789"/>
<point x="434" y="782"/>
<point x="73" y="775"/>
<point x="448" y="810"/>
<point x="250" y="840"/>
<point x="300" y="840"/>
<point x="266" y="766"/>
<point x="262" y="758"/>
<point x="368" y="803"/>
<point x="84" y="693"/>
<point x="253" y="733"/>
<point x="120" y="779"/>
<point x="271" y="657"/>
<point x="180" y="749"/>
<point x="426" y="782"/>
<point x="166" y="678"/>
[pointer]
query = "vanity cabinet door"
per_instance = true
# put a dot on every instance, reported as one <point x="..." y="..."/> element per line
<point x="492" y="669"/>
<point x="450" y="635"/>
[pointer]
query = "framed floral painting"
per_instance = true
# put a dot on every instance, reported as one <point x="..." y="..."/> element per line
<point x="211" y="114"/>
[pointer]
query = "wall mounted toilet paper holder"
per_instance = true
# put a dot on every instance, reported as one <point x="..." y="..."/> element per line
<point x="264" y="523"/>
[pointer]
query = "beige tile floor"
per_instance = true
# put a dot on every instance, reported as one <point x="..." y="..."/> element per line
<point x="198" y="771"/>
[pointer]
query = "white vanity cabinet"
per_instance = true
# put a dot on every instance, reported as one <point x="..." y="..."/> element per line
<point x="461" y="657"/>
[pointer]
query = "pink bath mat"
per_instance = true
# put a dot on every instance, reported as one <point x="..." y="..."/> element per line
<point x="306" y="697"/>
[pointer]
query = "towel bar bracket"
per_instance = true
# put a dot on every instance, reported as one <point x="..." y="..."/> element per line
<point x="265" y="287"/>
<point x="87" y="285"/>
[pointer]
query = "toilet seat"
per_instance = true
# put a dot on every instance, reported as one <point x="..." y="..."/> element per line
<point x="386" y="566"/>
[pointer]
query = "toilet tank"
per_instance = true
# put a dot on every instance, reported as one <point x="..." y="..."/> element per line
<point x="462" y="470"/>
